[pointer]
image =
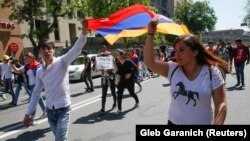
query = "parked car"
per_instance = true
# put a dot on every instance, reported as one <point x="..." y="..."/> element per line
<point x="77" y="66"/>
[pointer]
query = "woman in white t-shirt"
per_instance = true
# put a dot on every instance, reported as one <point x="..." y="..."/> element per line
<point x="195" y="80"/>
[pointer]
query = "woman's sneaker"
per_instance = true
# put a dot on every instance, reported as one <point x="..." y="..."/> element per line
<point x="102" y="111"/>
<point x="118" y="112"/>
<point x="136" y="105"/>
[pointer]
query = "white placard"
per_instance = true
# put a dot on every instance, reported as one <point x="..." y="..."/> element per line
<point x="104" y="62"/>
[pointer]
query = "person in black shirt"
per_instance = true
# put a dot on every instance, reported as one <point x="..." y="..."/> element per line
<point x="126" y="70"/>
<point x="19" y="81"/>
<point x="87" y="72"/>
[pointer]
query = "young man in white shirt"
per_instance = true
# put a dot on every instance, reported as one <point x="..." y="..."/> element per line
<point x="54" y="79"/>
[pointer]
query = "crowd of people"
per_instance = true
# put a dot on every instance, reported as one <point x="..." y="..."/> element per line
<point x="190" y="64"/>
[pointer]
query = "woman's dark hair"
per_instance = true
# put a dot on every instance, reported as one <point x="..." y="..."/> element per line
<point x="121" y="52"/>
<point x="163" y="48"/>
<point x="85" y="52"/>
<point x="203" y="57"/>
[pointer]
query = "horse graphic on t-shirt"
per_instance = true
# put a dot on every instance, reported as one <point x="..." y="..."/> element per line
<point x="184" y="92"/>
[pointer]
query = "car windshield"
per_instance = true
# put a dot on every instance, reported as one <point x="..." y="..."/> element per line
<point x="77" y="61"/>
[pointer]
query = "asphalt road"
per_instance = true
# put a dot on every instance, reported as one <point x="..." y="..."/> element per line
<point x="87" y="125"/>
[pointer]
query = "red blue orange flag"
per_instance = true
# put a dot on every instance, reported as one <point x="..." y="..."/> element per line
<point x="131" y="22"/>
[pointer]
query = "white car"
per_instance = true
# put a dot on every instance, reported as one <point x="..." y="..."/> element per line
<point x="77" y="66"/>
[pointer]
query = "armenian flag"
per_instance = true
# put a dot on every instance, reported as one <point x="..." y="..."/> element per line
<point x="132" y="22"/>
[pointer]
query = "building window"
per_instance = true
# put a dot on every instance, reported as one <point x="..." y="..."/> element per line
<point x="80" y="15"/>
<point x="72" y="31"/>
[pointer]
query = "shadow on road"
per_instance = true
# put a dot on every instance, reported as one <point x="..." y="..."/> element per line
<point x="97" y="117"/>
<point x="165" y="85"/>
<point x="7" y="106"/>
<point x="81" y="93"/>
<point x="232" y="88"/>
<point x="31" y="135"/>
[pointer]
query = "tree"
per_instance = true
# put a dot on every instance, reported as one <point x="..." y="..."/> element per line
<point x="42" y="12"/>
<point x="198" y="16"/>
<point x="246" y="19"/>
<point x="103" y="8"/>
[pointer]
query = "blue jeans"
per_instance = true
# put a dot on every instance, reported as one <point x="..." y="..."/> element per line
<point x="41" y="102"/>
<point x="18" y="89"/>
<point x="8" y="87"/>
<point x="59" y="122"/>
<point x="145" y="71"/>
<point x="239" y="69"/>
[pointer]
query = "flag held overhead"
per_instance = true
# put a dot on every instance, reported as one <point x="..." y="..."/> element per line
<point x="132" y="22"/>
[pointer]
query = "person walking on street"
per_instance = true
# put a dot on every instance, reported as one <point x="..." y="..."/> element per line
<point x="230" y="49"/>
<point x="30" y="71"/>
<point x="126" y="70"/>
<point x="145" y="71"/>
<point x="195" y="68"/>
<point x="19" y="81"/>
<point x="87" y="77"/>
<point x="7" y="77"/>
<point x="53" y="77"/>
<point x="135" y="59"/>
<point x="107" y="80"/>
<point x="241" y="57"/>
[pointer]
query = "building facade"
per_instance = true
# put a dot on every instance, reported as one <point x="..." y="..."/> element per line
<point x="10" y="34"/>
<point x="229" y="35"/>
<point x="166" y="7"/>
<point x="68" y="31"/>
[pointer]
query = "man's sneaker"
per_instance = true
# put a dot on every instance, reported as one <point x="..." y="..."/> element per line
<point x="91" y="90"/>
<point x="44" y="115"/>
<point x="87" y="90"/>
<point x="118" y="112"/>
<point x="243" y="85"/>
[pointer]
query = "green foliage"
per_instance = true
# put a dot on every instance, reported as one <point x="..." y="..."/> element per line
<point x="103" y="8"/>
<point x="48" y="11"/>
<point x="198" y="16"/>
<point x="45" y="11"/>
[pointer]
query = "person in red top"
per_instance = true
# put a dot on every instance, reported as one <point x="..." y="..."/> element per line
<point x="172" y="55"/>
<point x="240" y="55"/>
<point x="134" y="58"/>
<point x="211" y="48"/>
